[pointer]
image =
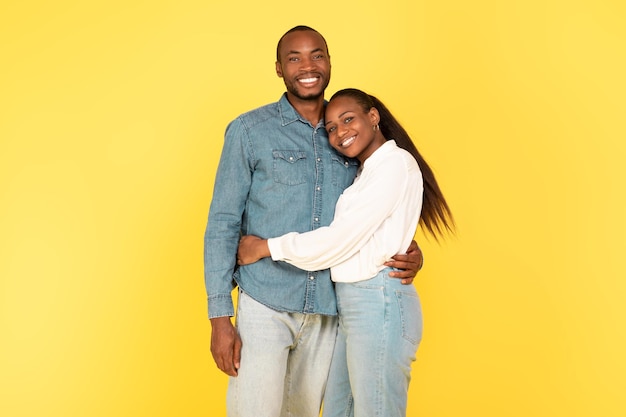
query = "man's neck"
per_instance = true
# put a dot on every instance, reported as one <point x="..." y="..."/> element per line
<point x="312" y="110"/>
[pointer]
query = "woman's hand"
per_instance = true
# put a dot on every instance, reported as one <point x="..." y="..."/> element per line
<point x="251" y="249"/>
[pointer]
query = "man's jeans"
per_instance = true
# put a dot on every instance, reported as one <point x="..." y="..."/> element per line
<point x="380" y="328"/>
<point x="285" y="360"/>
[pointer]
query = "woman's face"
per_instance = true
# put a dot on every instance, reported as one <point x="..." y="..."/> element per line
<point x="351" y="130"/>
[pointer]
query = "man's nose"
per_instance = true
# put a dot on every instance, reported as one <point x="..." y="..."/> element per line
<point x="308" y="64"/>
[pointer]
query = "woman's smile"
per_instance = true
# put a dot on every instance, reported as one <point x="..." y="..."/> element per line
<point x="347" y="142"/>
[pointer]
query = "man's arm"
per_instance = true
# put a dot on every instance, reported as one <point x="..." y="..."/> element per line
<point x="232" y="184"/>
<point x="409" y="264"/>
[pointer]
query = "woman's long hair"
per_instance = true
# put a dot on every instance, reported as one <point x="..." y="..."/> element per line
<point x="436" y="217"/>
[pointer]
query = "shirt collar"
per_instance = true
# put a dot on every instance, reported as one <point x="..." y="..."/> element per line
<point x="288" y="114"/>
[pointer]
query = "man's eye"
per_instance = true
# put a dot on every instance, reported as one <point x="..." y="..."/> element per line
<point x="293" y="59"/>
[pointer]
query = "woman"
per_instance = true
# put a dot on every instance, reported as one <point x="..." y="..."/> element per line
<point x="375" y="218"/>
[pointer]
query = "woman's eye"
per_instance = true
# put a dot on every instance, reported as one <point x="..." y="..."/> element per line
<point x="348" y="119"/>
<point x="331" y="129"/>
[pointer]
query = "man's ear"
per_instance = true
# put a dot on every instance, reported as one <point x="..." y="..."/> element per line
<point x="279" y="70"/>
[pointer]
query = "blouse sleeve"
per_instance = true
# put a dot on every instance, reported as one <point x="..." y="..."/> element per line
<point x="378" y="196"/>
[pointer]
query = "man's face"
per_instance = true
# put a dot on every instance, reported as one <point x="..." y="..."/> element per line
<point x="304" y="64"/>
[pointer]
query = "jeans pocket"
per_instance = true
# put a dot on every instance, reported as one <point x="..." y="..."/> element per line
<point x="411" y="316"/>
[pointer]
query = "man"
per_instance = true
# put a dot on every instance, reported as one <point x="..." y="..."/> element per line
<point x="278" y="174"/>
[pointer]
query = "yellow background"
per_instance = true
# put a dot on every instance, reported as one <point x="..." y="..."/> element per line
<point x="111" y="122"/>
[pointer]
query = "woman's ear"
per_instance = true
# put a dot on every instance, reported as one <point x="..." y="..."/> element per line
<point x="374" y="116"/>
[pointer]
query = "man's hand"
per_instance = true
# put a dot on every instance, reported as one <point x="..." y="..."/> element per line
<point x="225" y="345"/>
<point x="409" y="264"/>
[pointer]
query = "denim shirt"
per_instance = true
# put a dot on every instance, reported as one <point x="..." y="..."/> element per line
<point x="277" y="174"/>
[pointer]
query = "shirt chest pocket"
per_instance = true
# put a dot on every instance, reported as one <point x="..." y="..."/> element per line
<point x="343" y="170"/>
<point x="290" y="167"/>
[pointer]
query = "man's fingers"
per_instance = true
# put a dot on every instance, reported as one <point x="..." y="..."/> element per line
<point x="403" y="262"/>
<point x="237" y="352"/>
<point x="224" y="361"/>
<point x="226" y="365"/>
<point x="403" y="270"/>
<point x="402" y="265"/>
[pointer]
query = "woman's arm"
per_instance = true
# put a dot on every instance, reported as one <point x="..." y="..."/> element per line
<point x="375" y="197"/>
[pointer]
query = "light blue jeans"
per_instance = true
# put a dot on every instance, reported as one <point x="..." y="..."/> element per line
<point x="285" y="358"/>
<point x="380" y="328"/>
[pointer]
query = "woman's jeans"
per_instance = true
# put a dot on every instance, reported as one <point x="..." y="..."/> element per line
<point x="380" y="328"/>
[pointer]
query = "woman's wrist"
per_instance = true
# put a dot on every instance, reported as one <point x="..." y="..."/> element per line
<point x="264" y="249"/>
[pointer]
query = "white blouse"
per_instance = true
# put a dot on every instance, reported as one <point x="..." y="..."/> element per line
<point x="375" y="219"/>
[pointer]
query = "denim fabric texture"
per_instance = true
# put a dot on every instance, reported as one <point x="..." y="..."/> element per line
<point x="285" y="359"/>
<point x="277" y="174"/>
<point x="380" y="328"/>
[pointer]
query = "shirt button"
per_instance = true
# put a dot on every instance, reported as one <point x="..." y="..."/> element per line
<point x="317" y="219"/>
<point x="319" y="159"/>
<point x="311" y="277"/>
<point x="318" y="188"/>
<point x="291" y="158"/>
<point x="346" y="163"/>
